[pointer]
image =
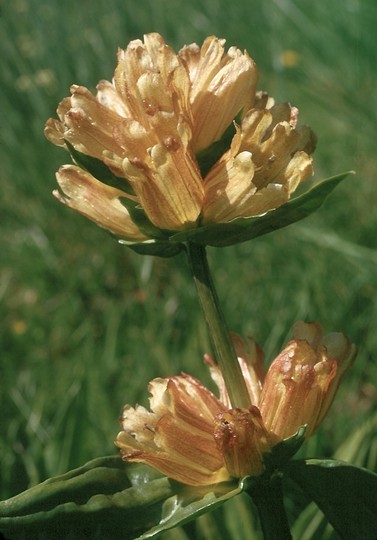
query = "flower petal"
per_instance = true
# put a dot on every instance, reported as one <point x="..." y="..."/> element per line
<point x="222" y="85"/>
<point x="228" y="188"/>
<point x="163" y="108"/>
<point x="302" y="381"/>
<point x="168" y="185"/>
<point x="177" y="436"/>
<point x="242" y="439"/>
<point x="96" y="201"/>
<point x="187" y="472"/>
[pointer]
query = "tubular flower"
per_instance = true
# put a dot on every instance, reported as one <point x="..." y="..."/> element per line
<point x="302" y="381"/>
<point x="198" y="439"/>
<point x="148" y="131"/>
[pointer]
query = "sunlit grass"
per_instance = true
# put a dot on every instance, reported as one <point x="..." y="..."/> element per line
<point x="86" y="323"/>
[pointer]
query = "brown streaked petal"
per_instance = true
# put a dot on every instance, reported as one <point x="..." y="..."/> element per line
<point x="289" y="379"/>
<point x="242" y="439"/>
<point x="161" y="94"/>
<point x="182" y="443"/>
<point x="96" y="201"/>
<point x="152" y="56"/>
<point x="186" y="398"/>
<point x="132" y="62"/>
<point x="177" y="436"/>
<point x="183" y="471"/>
<point x="169" y="187"/>
<point x="222" y="85"/>
<point x="268" y="198"/>
<point x="54" y="132"/>
<point x="134" y="139"/>
<point x="89" y="119"/>
<point x="153" y="93"/>
<point x="292" y="410"/>
<point x="203" y="63"/>
<point x="274" y="154"/>
<point x="159" y="399"/>
<point x="228" y="188"/>
<point x="64" y="107"/>
<point x="253" y="129"/>
<point x="132" y="446"/>
<point x="299" y="169"/>
<point x="277" y="147"/>
<point x="163" y="58"/>
<point x="301" y="382"/>
<point x="193" y="403"/>
<point x="109" y="98"/>
<point x="140" y="423"/>
<point x="85" y="137"/>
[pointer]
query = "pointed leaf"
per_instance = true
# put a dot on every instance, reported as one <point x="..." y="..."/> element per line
<point x="192" y="502"/>
<point x="101" y="498"/>
<point x="346" y="494"/>
<point x="107" y="498"/>
<point x="243" y="229"/>
<point x="282" y="452"/>
<point x="154" y="247"/>
<point x="99" y="475"/>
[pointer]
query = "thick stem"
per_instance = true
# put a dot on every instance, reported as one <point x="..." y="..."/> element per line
<point x="218" y="331"/>
<point x="267" y="496"/>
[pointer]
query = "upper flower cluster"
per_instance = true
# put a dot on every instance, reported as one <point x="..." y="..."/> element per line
<point x="196" y="438"/>
<point x="184" y="137"/>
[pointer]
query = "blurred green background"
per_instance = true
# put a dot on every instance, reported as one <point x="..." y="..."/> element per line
<point x="86" y="323"/>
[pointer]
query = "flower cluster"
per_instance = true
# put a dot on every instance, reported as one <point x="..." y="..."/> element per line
<point x="185" y="139"/>
<point x="175" y="142"/>
<point x="196" y="438"/>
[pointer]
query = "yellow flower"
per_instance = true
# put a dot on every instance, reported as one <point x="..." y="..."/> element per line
<point x="302" y="381"/>
<point x="190" y="435"/>
<point x="152" y="126"/>
<point x="198" y="439"/>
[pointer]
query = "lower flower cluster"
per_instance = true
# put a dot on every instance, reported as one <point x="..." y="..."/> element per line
<point x="196" y="438"/>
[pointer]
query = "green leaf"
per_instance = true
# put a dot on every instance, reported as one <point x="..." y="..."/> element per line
<point x="107" y="498"/>
<point x="346" y="494"/>
<point x="98" y="169"/>
<point x="359" y="448"/>
<point x="284" y="451"/>
<point x="99" y="475"/>
<point x="192" y="502"/>
<point x="154" y="247"/>
<point x="103" y="497"/>
<point x="243" y="229"/>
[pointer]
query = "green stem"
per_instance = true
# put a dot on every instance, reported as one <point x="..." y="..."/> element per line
<point x="267" y="496"/>
<point x="218" y="331"/>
